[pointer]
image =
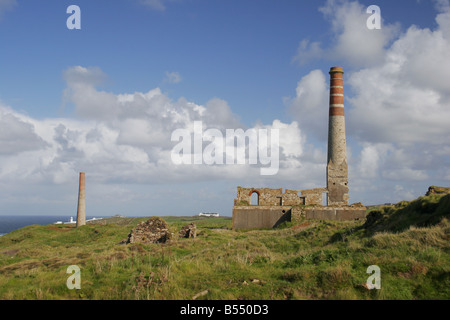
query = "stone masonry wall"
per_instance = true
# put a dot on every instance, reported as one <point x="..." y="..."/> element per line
<point x="291" y="198"/>
<point x="337" y="180"/>
<point x="259" y="217"/>
<point x="336" y="213"/>
<point x="314" y="197"/>
<point x="276" y="197"/>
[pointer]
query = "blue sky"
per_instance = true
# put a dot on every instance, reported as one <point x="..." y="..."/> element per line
<point x="236" y="50"/>
<point x="248" y="64"/>
<point x="220" y="48"/>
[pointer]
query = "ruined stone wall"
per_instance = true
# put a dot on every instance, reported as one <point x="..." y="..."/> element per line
<point x="291" y="198"/>
<point x="244" y="196"/>
<point x="276" y="197"/>
<point x="337" y="193"/>
<point x="297" y="214"/>
<point x="270" y="197"/>
<point x="314" y="197"/>
<point x="266" y="196"/>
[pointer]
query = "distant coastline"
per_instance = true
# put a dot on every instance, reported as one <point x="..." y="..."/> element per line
<point x="9" y="223"/>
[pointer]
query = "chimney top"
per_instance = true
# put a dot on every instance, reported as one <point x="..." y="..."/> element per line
<point x="336" y="70"/>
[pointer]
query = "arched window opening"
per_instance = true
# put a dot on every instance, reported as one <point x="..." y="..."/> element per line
<point x="255" y="199"/>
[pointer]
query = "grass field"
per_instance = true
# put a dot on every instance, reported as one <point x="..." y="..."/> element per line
<point x="308" y="260"/>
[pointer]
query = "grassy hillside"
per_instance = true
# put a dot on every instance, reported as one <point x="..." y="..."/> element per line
<point x="311" y="260"/>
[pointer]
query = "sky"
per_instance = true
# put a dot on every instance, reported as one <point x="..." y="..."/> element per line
<point x="106" y="99"/>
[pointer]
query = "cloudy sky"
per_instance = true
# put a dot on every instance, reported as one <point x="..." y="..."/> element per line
<point x="106" y="99"/>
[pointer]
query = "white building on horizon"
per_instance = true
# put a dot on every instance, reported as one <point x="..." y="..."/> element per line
<point x="71" y="221"/>
<point x="202" y="214"/>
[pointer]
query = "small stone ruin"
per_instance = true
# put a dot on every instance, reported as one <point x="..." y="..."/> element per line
<point x="188" y="231"/>
<point x="155" y="230"/>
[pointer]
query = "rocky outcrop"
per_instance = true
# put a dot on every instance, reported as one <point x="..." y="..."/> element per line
<point x="188" y="231"/>
<point x="155" y="230"/>
<point x="437" y="190"/>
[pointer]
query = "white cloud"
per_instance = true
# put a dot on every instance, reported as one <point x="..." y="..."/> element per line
<point x="406" y="99"/>
<point x="405" y="174"/>
<point x="308" y="51"/>
<point x="17" y="135"/>
<point x="355" y="43"/>
<point x="89" y="103"/>
<point x="351" y="41"/>
<point x="81" y="76"/>
<point x="123" y="142"/>
<point x="217" y="113"/>
<point x="292" y="141"/>
<point x="125" y="137"/>
<point x="173" y="77"/>
<point x="310" y="106"/>
<point x="372" y="156"/>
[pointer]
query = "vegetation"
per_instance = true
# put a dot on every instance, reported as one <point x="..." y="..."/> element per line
<point x="309" y="260"/>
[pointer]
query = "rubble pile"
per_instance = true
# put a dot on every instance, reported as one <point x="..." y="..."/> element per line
<point x="188" y="231"/>
<point x="155" y="230"/>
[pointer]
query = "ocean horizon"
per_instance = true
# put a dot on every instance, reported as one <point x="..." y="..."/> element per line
<point x="9" y="223"/>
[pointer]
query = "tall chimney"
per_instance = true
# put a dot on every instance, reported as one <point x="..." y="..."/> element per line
<point x="337" y="169"/>
<point x="81" y="212"/>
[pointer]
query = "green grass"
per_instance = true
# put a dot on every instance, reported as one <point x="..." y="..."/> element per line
<point x="308" y="260"/>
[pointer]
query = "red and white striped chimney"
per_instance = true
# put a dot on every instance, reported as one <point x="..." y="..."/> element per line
<point x="337" y="169"/>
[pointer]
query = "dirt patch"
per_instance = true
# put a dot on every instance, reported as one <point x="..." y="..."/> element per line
<point x="11" y="252"/>
<point x="55" y="263"/>
<point x="117" y="256"/>
<point x="83" y="255"/>
<point x="51" y="263"/>
<point x="21" y="265"/>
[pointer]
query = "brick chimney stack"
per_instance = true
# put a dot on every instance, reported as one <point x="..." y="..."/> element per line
<point x="81" y="212"/>
<point x="337" y="169"/>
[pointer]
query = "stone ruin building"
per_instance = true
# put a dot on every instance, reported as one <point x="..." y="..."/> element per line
<point x="156" y="230"/>
<point x="274" y="207"/>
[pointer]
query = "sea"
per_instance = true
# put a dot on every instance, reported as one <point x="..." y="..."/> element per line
<point x="10" y="223"/>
